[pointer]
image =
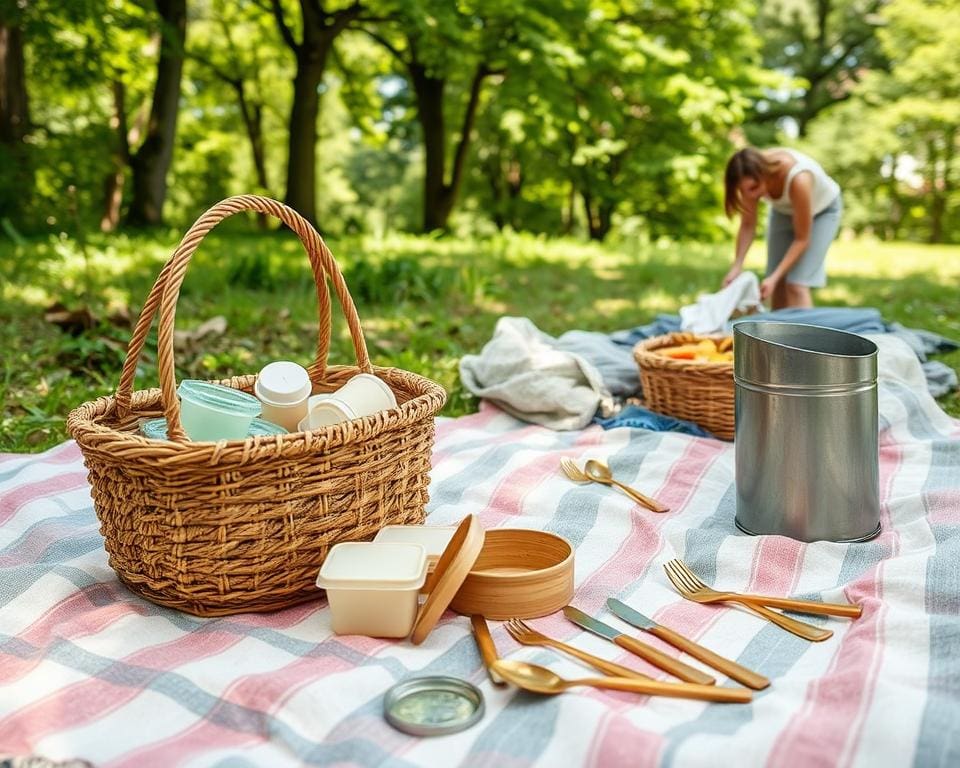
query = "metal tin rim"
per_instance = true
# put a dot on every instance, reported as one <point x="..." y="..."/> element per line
<point x="432" y="683"/>
<point x="749" y="328"/>
<point x="869" y="536"/>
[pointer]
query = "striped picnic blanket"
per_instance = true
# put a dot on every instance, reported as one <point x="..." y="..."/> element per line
<point x="88" y="671"/>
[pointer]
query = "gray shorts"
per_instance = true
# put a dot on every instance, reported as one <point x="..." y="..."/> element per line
<point x="810" y="269"/>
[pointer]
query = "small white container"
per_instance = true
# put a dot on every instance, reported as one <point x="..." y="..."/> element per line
<point x="283" y="388"/>
<point x="323" y="413"/>
<point x="362" y="395"/>
<point x="433" y="538"/>
<point x="366" y="394"/>
<point x="373" y="587"/>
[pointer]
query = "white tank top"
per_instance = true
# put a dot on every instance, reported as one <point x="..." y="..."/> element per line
<point x="825" y="189"/>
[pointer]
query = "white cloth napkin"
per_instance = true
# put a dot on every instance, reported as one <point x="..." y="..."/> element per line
<point x="522" y="370"/>
<point x="711" y="311"/>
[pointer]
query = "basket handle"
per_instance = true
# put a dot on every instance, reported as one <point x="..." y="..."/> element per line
<point x="166" y="291"/>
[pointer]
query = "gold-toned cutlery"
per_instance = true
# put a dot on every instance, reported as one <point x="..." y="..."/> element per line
<point x="571" y="470"/>
<point x="646" y="652"/>
<point x="488" y="649"/>
<point x="799" y="628"/>
<point x="601" y="472"/>
<point x="706" y="593"/>
<point x="526" y="635"/>
<point x="532" y="677"/>
<point x="730" y="668"/>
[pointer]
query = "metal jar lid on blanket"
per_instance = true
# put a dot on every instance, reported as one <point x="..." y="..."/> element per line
<point x="806" y="439"/>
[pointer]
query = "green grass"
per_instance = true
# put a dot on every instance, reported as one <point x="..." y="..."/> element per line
<point x="423" y="303"/>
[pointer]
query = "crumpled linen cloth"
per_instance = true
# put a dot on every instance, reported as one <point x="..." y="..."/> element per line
<point x="711" y="311"/>
<point x="525" y="372"/>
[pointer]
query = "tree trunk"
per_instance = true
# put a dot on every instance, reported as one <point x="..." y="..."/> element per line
<point x="941" y="186"/>
<point x="439" y="196"/>
<point x="569" y="213"/>
<point x="937" y="202"/>
<point x="14" y="112"/>
<point x="492" y="171"/>
<point x="320" y="29"/>
<point x="599" y="217"/>
<point x="302" y="154"/>
<point x="253" y="121"/>
<point x="152" y="161"/>
<point x="514" y="175"/>
<point x="429" y="93"/>
<point x="119" y="159"/>
<point x="14" y="123"/>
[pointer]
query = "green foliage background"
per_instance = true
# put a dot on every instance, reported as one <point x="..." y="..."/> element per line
<point x="595" y="120"/>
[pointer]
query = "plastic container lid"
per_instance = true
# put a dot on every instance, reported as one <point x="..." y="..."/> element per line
<point x="451" y="571"/>
<point x="329" y="411"/>
<point x="373" y="565"/>
<point x="283" y="383"/>
<point x="433" y="538"/>
<point x="433" y="706"/>
<point x="156" y="429"/>
<point x="218" y="397"/>
<point x="264" y="427"/>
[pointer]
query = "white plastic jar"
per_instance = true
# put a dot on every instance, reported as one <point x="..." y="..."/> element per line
<point x="283" y="388"/>
<point x="373" y="587"/>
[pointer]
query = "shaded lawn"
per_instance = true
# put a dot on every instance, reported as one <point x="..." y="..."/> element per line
<point x="423" y="302"/>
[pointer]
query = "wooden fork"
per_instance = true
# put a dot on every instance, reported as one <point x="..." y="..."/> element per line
<point x="690" y="591"/>
<point x="526" y="635"/>
<point x="787" y="603"/>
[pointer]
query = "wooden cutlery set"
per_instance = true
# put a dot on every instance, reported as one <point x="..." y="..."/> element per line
<point x="695" y="684"/>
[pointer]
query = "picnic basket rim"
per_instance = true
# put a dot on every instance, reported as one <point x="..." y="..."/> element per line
<point x="697" y="391"/>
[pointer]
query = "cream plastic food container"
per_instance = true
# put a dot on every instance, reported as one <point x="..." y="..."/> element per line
<point x="373" y="588"/>
<point x="284" y="388"/>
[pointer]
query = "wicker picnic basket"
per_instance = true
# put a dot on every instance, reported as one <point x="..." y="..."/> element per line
<point x="700" y="392"/>
<point x="244" y="525"/>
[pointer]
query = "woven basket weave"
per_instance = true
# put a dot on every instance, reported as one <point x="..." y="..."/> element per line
<point x="244" y="525"/>
<point x="687" y="389"/>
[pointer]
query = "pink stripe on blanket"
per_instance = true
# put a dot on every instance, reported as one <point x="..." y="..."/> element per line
<point x="620" y="742"/>
<point x="841" y="696"/>
<point x="95" y="697"/>
<point x="11" y="501"/>
<point x="83" y="702"/>
<point x="32" y="548"/>
<point x="777" y="563"/>
<point x="489" y="440"/>
<point x="506" y="501"/>
<point x="686" y="473"/>
<point x="943" y="506"/>
<point x="264" y="693"/>
<point x="72" y="618"/>
<point x="835" y="699"/>
<point x="479" y="420"/>
<point x="65" y="453"/>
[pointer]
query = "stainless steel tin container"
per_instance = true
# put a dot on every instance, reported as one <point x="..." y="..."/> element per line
<point x="807" y="454"/>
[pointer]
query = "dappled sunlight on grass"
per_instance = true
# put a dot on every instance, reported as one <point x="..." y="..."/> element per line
<point x="423" y="303"/>
<point x="658" y="300"/>
<point x="613" y="306"/>
<point x="840" y="295"/>
<point x="27" y="294"/>
<point x="491" y="305"/>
